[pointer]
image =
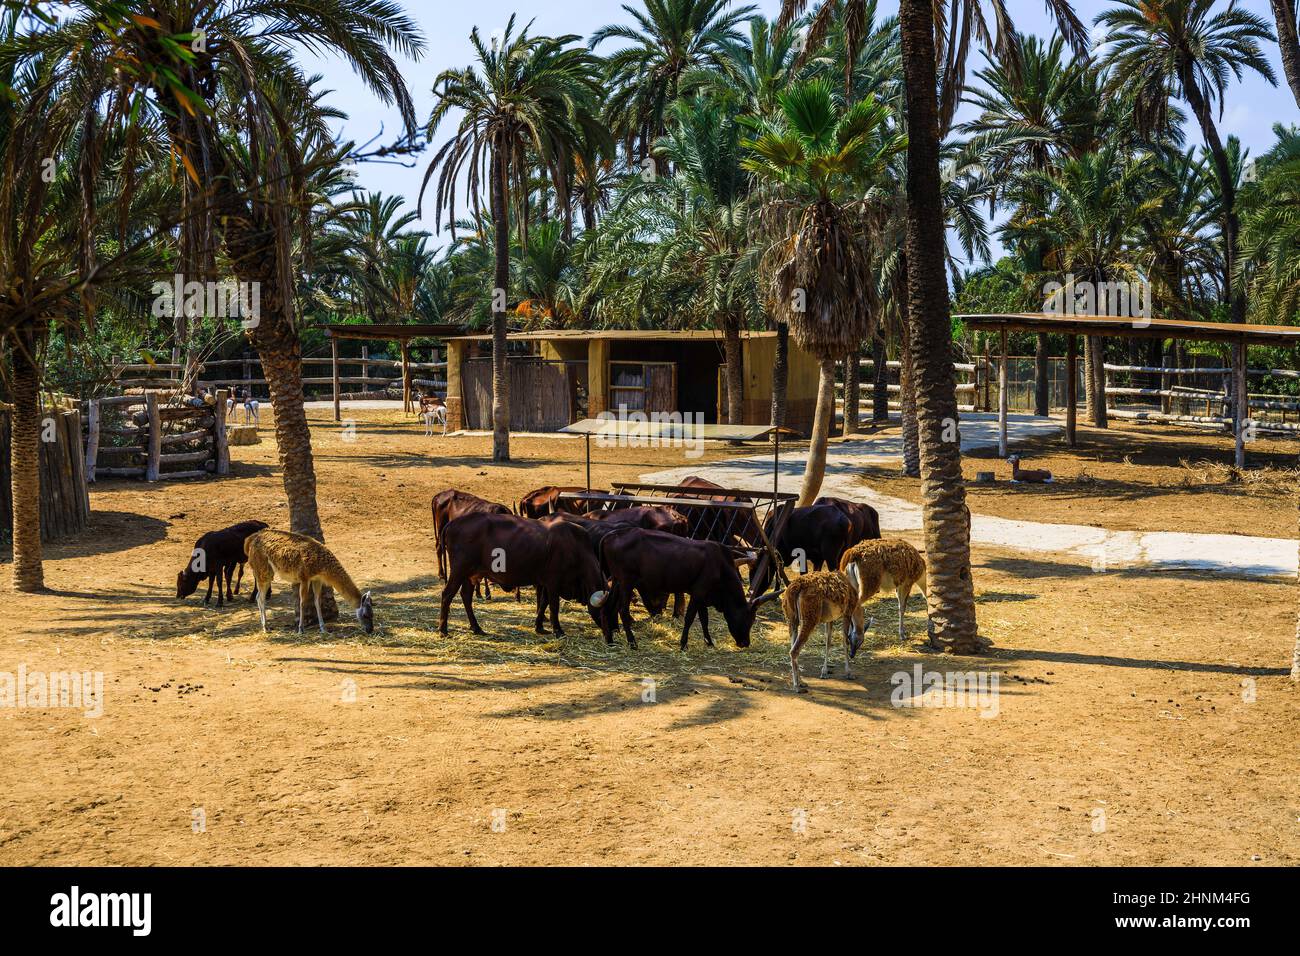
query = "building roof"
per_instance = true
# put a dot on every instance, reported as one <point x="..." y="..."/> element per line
<point x="646" y="429"/>
<point x="644" y="335"/>
<point x="1127" y="327"/>
<point x="376" y="332"/>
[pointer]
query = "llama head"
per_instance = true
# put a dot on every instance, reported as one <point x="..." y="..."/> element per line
<point x="366" y="613"/>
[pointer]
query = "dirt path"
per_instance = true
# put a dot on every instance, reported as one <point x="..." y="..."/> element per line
<point x="1136" y="720"/>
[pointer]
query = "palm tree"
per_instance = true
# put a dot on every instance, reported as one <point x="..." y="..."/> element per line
<point x="1270" y="247"/>
<point x="671" y="39"/>
<point x="374" y="225"/>
<point x="820" y="161"/>
<point x="528" y="95"/>
<point x="1164" y="48"/>
<point x="1288" y="40"/>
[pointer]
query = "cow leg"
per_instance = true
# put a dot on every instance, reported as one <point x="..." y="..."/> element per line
<point x="625" y="612"/>
<point x="539" y="622"/>
<point x="230" y="573"/>
<point x="239" y="579"/>
<point x="555" y="614"/>
<point x="211" y="577"/>
<point x="690" y="619"/>
<point x="826" y="655"/>
<point x="449" y="589"/>
<point x="704" y="624"/>
<point x="903" y="594"/>
<point x="679" y="604"/>
<point x="467" y="599"/>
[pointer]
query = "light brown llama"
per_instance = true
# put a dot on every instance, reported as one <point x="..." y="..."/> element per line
<point x="875" y="565"/>
<point x="822" y="597"/>
<point x="305" y="562"/>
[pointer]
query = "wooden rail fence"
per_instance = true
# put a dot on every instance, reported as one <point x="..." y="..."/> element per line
<point x="141" y="437"/>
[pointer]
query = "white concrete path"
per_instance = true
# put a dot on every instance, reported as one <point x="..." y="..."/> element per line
<point x="1104" y="549"/>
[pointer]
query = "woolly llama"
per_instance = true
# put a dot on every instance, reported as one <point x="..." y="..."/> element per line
<point x="305" y="562"/>
<point x="882" y="564"/>
<point x="822" y="597"/>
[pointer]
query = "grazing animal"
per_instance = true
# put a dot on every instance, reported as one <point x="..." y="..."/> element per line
<point x="819" y="533"/>
<point x="432" y="416"/>
<point x="310" y="565"/>
<point x="451" y="504"/>
<point x="873" y="566"/>
<point x="215" y="557"/>
<point x="555" y="558"/>
<point x="866" y="520"/>
<point x="1033" y="476"/>
<point x="250" y="410"/>
<point x="546" y="500"/>
<point x="822" y="597"/>
<point x="656" y="564"/>
<point x="745" y="534"/>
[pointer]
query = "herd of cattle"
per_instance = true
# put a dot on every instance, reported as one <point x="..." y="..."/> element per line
<point x="575" y="548"/>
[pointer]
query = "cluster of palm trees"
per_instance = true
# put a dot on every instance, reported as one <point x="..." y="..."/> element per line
<point x="696" y="165"/>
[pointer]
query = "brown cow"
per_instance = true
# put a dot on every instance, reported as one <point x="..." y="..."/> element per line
<point x="555" y="558"/>
<point x="655" y="563"/>
<point x="745" y="530"/>
<point x="546" y="501"/>
<point x="866" y="520"/>
<point x="449" y="505"/>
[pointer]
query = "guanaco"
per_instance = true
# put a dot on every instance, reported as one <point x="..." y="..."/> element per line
<point x="305" y="562"/>
<point x="822" y="597"/>
<point x="885" y="563"/>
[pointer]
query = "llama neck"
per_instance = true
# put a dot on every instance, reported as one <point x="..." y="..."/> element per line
<point x="342" y="583"/>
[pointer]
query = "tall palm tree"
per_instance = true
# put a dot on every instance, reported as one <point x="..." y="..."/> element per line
<point x="671" y="39"/>
<point x="375" y="225"/>
<point x="531" y="101"/>
<point x="1184" y="48"/>
<point x="1288" y="41"/>
<point x="821" y="160"/>
<point x="1270" y="248"/>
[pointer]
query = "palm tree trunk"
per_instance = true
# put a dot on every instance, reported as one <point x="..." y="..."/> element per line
<point x="1295" y="654"/>
<point x="1227" y="191"/>
<point x="780" y="373"/>
<point x="735" y="371"/>
<point x="951" y="595"/>
<point x="500" y="367"/>
<point x="852" y="393"/>
<point x="907" y="406"/>
<point x="880" y="385"/>
<point x="1098" y="346"/>
<point x="1089" y="381"/>
<point x="1284" y="12"/>
<point x="815" y="470"/>
<point x="24" y="464"/>
<point x="1042" y="378"/>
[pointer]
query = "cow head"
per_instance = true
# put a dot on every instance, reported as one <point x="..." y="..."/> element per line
<point x="187" y="582"/>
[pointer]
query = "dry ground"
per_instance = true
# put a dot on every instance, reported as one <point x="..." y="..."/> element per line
<point x="1141" y="718"/>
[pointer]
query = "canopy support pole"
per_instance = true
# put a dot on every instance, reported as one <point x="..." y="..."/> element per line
<point x="1002" y="398"/>
<point x="1240" y="401"/>
<point x="588" y="437"/>
<point x="1071" y="389"/>
<point x="406" y="377"/>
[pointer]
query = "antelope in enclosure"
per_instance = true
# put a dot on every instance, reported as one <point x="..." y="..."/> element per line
<point x="305" y="562"/>
<point x="886" y="563"/>
<point x="822" y="597"/>
<point x="1036" y="476"/>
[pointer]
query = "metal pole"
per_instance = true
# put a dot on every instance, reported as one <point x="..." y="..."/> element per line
<point x="588" y="437"/>
<point x="1071" y="389"/>
<point x="334" y="357"/>
<point x="1002" y="399"/>
<point x="1241" y="401"/>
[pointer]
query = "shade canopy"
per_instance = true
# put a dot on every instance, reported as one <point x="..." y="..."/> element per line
<point x="622" y="428"/>
<point x="390" y="333"/>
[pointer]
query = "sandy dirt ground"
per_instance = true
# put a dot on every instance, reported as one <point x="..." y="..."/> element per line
<point x="1139" y="718"/>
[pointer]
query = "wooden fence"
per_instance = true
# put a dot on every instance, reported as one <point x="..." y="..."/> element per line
<point x="247" y="373"/>
<point x="140" y="436"/>
<point x="65" y="502"/>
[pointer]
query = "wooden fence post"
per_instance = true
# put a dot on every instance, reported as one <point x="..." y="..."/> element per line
<point x="92" y="438"/>
<point x="153" y="461"/>
<point x="220" y="446"/>
<point x="1071" y="389"/>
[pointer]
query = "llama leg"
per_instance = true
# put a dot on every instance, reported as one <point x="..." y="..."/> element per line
<point x="798" y="635"/>
<point x="259" y="592"/>
<point x="846" y="622"/>
<point x="903" y="594"/>
<point x="304" y="588"/>
<point x="320" y="618"/>
<point x="826" y="654"/>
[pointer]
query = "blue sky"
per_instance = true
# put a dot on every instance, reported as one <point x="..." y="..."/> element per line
<point x="1253" y="106"/>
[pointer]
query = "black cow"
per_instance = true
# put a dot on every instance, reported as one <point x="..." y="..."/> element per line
<point x="659" y="564"/>
<point x="556" y="558"/>
<point x="820" y="533"/>
<point x="215" y="557"/>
